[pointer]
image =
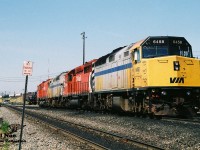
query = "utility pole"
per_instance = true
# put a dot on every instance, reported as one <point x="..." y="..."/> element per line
<point x="83" y="33"/>
<point x="48" y="68"/>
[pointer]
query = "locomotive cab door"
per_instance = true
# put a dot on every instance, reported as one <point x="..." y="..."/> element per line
<point x="136" y="56"/>
<point x="136" y="71"/>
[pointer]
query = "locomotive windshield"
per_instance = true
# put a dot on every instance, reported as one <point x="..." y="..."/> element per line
<point x="154" y="51"/>
<point x="181" y="51"/>
<point x="165" y="46"/>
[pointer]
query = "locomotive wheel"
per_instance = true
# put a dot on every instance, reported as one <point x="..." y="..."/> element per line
<point x="144" y="115"/>
<point x="158" y="117"/>
<point x="151" y="115"/>
<point x="138" y="114"/>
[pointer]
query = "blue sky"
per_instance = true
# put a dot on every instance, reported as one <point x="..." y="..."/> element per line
<point x="47" y="32"/>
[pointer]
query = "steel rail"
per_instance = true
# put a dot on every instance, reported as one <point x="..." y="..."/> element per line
<point x="74" y="136"/>
<point x="194" y="120"/>
<point x="115" y="136"/>
<point x="118" y="137"/>
<point x="65" y="132"/>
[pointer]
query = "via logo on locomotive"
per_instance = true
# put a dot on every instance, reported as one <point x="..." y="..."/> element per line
<point x="177" y="80"/>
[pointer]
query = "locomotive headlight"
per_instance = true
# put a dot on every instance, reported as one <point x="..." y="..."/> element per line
<point x="188" y="93"/>
<point x="153" y="90"/>
<point x="176" y="66"/>
<point x="164" y="93"/>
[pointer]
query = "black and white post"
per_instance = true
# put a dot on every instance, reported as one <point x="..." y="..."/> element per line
<point x="23" y="110"/>
<point x="27" y="71"/>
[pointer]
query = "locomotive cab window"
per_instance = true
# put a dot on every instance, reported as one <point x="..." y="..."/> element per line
<point x="112" y="58"/>
<point x="126" y="53"/>
<point x="181" y="51"/>
<point x="135" y="55"/>
<point x="154" y="51"/>
<point x="70" y="77"/>
<point x="88" y="69"/>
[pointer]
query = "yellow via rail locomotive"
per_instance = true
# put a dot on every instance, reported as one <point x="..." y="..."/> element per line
<point x="156" y="76"/>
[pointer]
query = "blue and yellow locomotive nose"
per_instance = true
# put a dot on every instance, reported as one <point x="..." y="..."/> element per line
<point x="165" y="73"/>
<point x="172" y="71"/>
<point x="164" y="62"/>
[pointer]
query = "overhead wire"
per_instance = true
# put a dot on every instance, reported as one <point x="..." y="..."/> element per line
<point x="31" y="79"/>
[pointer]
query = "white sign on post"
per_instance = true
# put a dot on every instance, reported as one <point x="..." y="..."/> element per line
<point x="27" y="68"/>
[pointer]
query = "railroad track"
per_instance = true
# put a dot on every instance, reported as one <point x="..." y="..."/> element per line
<point x="194" y="120"/>
<point x="95" y="138"/>
<point x="51" y="124"/>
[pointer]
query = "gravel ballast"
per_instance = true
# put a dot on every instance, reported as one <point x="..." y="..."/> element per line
<point x="38" y="136"/>
<point x="165" y="134"/>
